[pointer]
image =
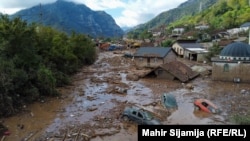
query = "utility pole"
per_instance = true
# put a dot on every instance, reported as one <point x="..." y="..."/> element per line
<point x="41" y="14"/>
<point x="201" y="6"/>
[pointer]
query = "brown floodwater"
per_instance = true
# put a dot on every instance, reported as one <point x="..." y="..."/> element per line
<point x="90" y="96"/>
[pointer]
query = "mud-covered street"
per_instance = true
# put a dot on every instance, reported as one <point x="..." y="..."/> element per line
<point x="90" y="108"/>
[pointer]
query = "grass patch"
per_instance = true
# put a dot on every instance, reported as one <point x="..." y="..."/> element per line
<point x="241" y="119"/>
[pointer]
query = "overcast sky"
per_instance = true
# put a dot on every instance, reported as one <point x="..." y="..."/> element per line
<point x="125" y="12"/>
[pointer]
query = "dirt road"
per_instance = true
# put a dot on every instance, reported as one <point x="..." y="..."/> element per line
<point x="91" y="107"/>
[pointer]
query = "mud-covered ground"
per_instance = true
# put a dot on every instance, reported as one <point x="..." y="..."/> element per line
<point x="90" y="108"/>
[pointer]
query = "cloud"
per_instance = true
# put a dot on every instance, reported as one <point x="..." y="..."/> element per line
<point x="131" y="12"/>
<point x="141" y="11"/>
<point x="22" y="3"/>
<point x="134" y="12"/>
<point x="12" y="6"/>
<point x="102" y="4"/>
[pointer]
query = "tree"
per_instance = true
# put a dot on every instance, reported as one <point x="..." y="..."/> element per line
<point x="19" y="63"/>
<point x="213" y="51"/>
<point x="34" y="60"/>
<point x="167" y="43"/>
<point x="146" y="35"/>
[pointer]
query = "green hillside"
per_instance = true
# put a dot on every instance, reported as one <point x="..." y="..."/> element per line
<point x="224" y="14"/>
<point x="219" y="14"/>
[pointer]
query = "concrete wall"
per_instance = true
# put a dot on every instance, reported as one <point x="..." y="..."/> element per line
<point x="148" y="62"/>
<point x="201" y="57"/>
<point x="178" y="49"/>
<point x="163" y="74"/>
<point x="170" y="57"/>
<point x="234" y="71"/>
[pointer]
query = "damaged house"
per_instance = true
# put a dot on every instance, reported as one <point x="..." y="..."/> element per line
<point x="174" y="70"/>
<point x="152" y="57"/>
<point x="161" y="62"/>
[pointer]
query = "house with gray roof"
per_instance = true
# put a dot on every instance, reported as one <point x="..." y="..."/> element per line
<point x="246" y="27"/>
<point x="233" y="63"/>
<point x="190" y="49"/>
<point x="152" y="57"/>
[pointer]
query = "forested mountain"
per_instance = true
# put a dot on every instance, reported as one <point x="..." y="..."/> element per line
<point x="218" y="14"/>
<point x="69" y="16"/>
<point x="224" y="14"/>
<point x="188" y="8"/>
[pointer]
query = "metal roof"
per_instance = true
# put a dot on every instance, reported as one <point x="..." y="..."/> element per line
<point x="247" y="24"/>
<point x="190" y="45"/>
<point x="236" y="49"/>
<point x="198" y="50"/>
<point x="152" y="52"/>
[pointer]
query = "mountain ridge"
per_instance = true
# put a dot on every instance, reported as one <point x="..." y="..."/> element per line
<point x="70" y="16"/>
<point x="190" y="7"/>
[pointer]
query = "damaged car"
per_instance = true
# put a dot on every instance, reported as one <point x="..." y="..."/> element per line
<point x="169" y="101"/>
<point x="206" y="106"/>
<point x="140" y="116"/>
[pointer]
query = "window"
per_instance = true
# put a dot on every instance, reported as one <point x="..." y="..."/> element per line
<point x="204" y="104"/>
<point x="155" y="60"/>
<point x="141" y="59"/>
<point x="226" y="68"/>
<point x="159" y="71"/>
<point x="140" y="115"/>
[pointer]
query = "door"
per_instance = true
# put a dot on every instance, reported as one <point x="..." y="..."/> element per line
<point x="148" y="62"/>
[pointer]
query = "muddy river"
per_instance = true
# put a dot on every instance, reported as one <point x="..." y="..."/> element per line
<point x="90" y="108"/>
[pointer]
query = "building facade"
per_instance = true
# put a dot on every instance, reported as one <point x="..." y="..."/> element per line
<point x="190" y="50"/>
<point x="233" y="63"/>
<point x="152" y="57"/>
